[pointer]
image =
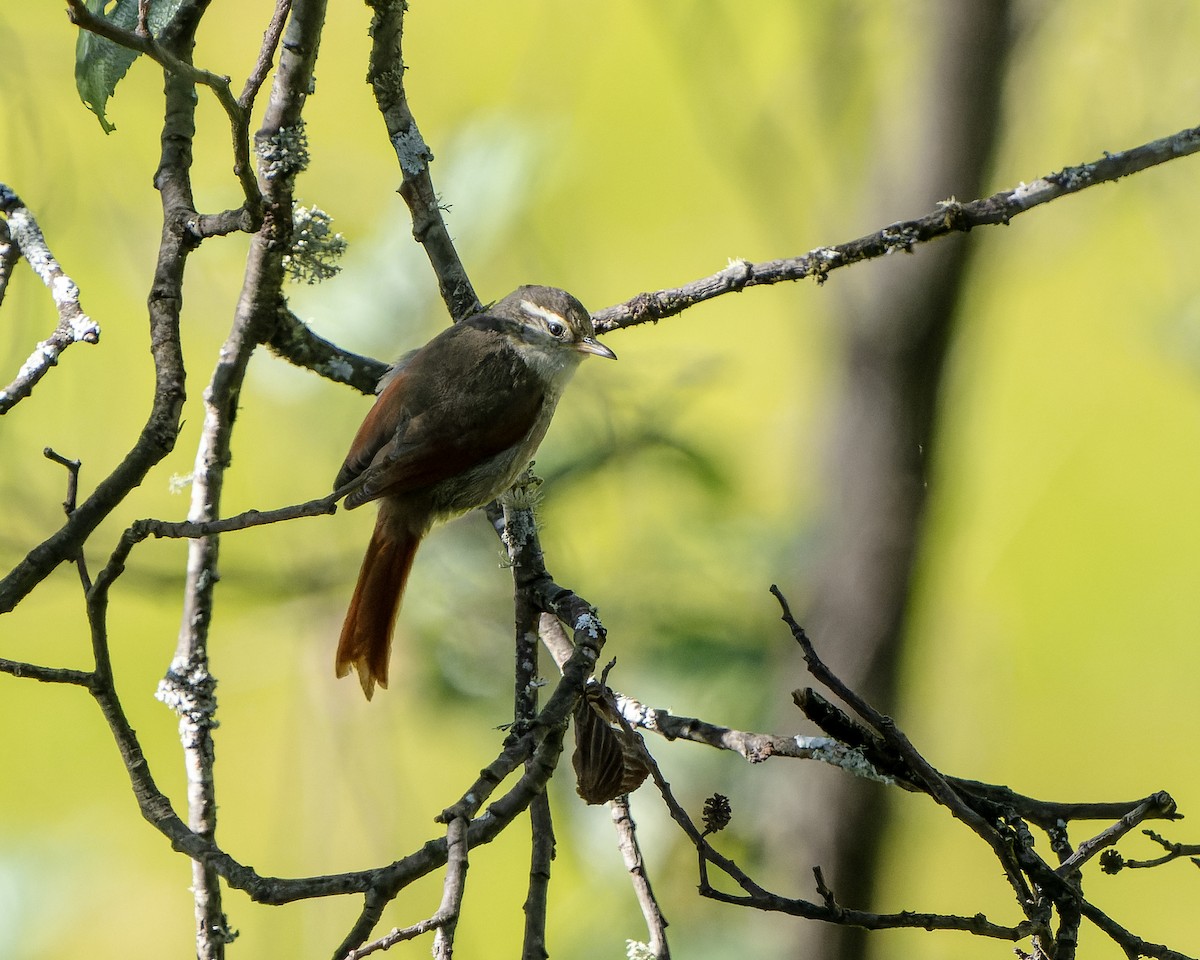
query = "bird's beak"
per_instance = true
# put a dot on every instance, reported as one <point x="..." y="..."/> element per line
<point x="595" y="347"/>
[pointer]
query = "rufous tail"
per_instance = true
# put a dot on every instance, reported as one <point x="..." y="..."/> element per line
<point x="366" y="640"/>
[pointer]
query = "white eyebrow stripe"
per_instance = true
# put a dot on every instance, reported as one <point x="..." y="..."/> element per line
<point x="534" y="310"/>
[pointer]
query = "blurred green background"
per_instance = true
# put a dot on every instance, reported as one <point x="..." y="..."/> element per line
<point x="611" y="149"/>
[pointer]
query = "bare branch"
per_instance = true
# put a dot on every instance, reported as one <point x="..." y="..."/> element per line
<point x="157" y="438"/>
<point x="295" y="342"/>
<point x="33" y="671"/>
<point x="1160" y="804"/>
<point x="386" y="76"/>
<point x="143" y="42"/>
<point x="72" y="467"/>
<point x="537" y="898"/>
<point x="631" y="853"/>
<point x="929" y="778"/>
<point x="903" y="236"/>
<point x="445" y="918"/>
<point x="24" y="237"/>
<point x="1174" y="852"/>
<point x="1133" y="945"/>
<point x="10" y="253"/>
<point x="266" y="55"/>
<point x="759" y="898"/>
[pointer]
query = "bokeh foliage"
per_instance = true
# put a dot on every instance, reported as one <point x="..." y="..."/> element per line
<point x="610" y="149"/>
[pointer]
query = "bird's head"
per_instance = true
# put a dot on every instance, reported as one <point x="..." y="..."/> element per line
<point x="552" y="322"/>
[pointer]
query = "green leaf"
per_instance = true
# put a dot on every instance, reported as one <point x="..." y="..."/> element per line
<point x="99" y="63"/>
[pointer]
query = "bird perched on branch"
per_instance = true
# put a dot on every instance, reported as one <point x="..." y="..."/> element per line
<point x="459" y="420"/>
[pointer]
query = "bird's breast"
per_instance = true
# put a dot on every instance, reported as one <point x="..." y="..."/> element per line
<point x="482" y="483"/>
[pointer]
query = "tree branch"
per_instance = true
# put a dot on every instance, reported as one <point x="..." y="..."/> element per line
<point x="143" y="42"/>
<point x="24" y="238"/>
<point x="266" y="56"/>
<point x="293" y="340"/>
<point x="33" y="671"/>
<point x="445" y="918"/>
<point x="386" y="76"/>
<point x="157" y="437"/>
<point x="1157" y="805"/>
<point x="901" y="237"/>
<point x="631" y="853"/>
<point x="929" y="778"/>
<point x="189" y="688"/>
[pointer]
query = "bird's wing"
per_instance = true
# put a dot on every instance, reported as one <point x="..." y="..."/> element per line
<point x="431" y="423"/>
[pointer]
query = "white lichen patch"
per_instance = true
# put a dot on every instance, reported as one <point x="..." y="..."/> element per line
<point x="834" y="752"/>
<point x="589" y="624"/>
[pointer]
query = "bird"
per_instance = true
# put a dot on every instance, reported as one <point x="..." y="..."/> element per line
<point x="454" y="426"/>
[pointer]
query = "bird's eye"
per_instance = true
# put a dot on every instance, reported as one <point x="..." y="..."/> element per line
<point x="557" y="328"/>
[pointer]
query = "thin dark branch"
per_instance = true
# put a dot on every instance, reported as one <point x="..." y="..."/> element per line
<point x="143" y="42"/>
<point x="10" y="253"/>
<point x="293" y="340"/>
<point x="141" y="530"/>
<point x="386" y="76"/>
<point x="157" y="438"/>
<point x="445" y="918"/>
<point x="923" y="772"/>
<point x="72" y="477"/>
<point x="1133" y="945"/>
<point x="33" y="671"/>
<point x="1047" y="814"/>
<point x="266" y="56"/>
<point x="979" y="924"/>
<point x="1174" y="852"/>
<point x="759" y="898"/>
<point x="951" y="216"/>
<point x="537" y="897"/>
<point x="72" y="467"/>
<point x="543" y="742"/>
<point x="520" y="539"/>
<point x="1157" y="805"/>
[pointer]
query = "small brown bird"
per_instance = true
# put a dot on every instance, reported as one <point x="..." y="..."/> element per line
<point x="458" y="422"/>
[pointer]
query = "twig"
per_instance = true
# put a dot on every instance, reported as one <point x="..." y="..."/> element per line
<point x="1174" y="852"/>
<point x="23" y="236"/>
<point x="929" y="778"/>
<point x="1160" y="804"/>
<point x="950" y="217"/>
<point x="143" y="42"/>
<point x="72" y="477"/>
<point x="10" y="253"/>
<point x="386" y="76"/>
<point x="69" y="508"/>
<point x="537" y="897"/>
<point x="519" y="536"/>
<point x="757" y="897"/>
<point x="33" y="671"/>
<point x="141" y="530"/>
<point x="1133" y="945"/>
<point x="266" y="56"/>
<point x="631" y="853"/>
<point x="293" y="340"/>
<point x="157" y="438"/>
<point x="1047" y="814"/>
<point x="445" y="918"/>
<point x="543" y="742"/>
<point x="192" y="529"/>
